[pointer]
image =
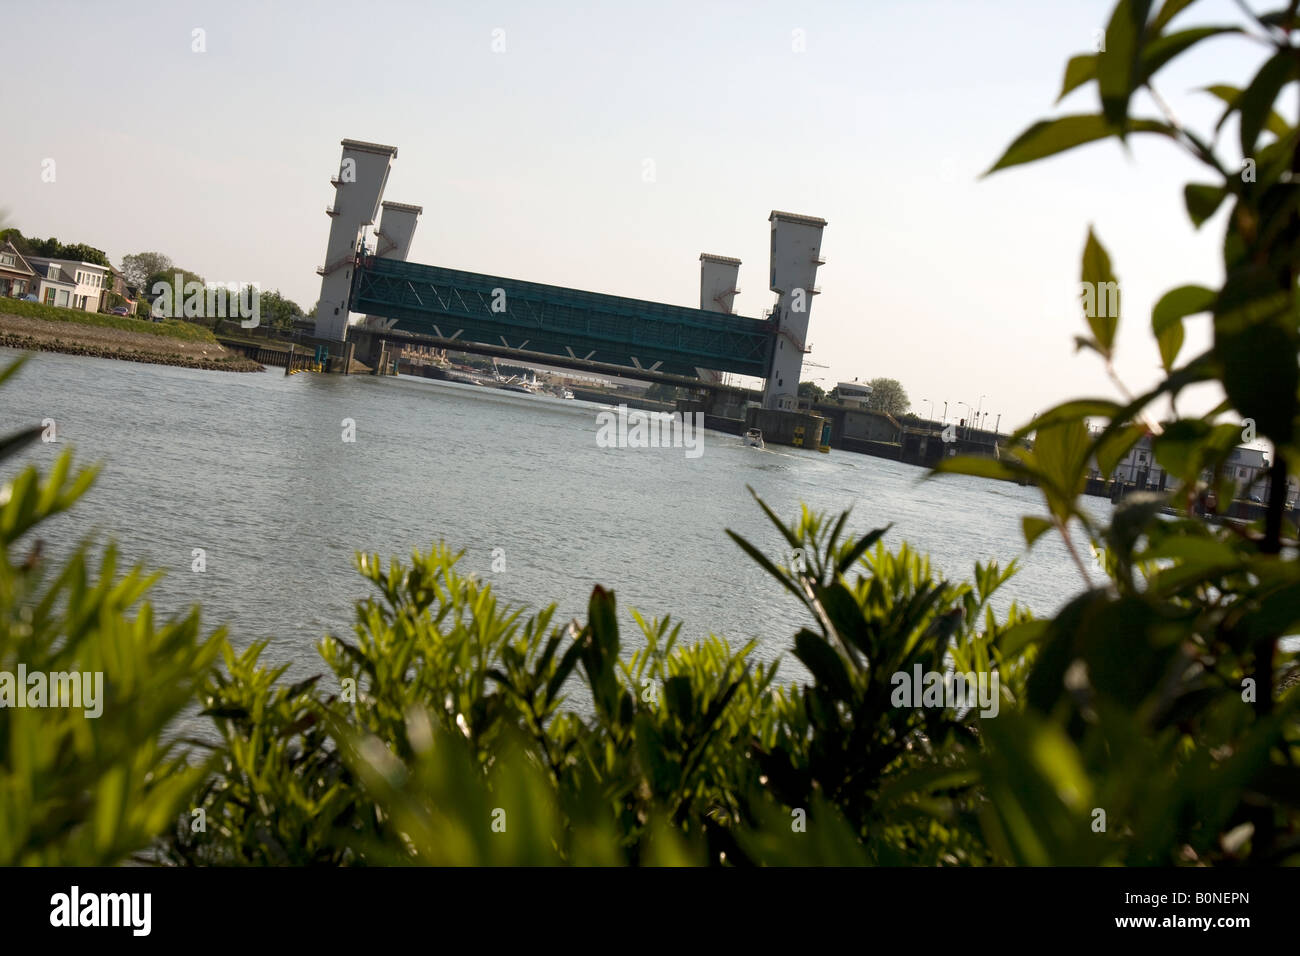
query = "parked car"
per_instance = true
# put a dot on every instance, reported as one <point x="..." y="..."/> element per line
<point x="119" y="310"/>
<point x="29" y="297"/>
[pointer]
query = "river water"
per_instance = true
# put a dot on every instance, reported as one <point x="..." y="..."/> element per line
<point x="253" y="469"/>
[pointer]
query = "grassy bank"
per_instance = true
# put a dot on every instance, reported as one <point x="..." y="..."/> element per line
<point x="168" y="328"/>
<point x="39" y="328"/>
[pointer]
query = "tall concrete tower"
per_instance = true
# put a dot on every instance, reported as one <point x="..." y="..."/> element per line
<point x="396" y="229"/>
<point x="718" y="275"/>
<point x="358" y="187"/>
<point x="796" y="254"/>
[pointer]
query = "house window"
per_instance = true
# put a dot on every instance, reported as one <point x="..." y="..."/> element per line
<point x="6" y="259"/>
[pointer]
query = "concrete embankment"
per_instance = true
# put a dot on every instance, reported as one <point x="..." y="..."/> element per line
<point x="44" y="335"/>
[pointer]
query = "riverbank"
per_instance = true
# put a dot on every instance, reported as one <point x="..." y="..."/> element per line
<point x="129" y="340"/>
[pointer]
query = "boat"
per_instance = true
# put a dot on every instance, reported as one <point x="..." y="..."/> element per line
<point x="754" y="438"/>
<point x="518" y="387"/>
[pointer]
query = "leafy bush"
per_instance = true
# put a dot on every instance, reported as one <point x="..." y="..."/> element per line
<point x="76" y="787"/>
<point x="1152" y="720"/>
<point x="1160" y="697"/>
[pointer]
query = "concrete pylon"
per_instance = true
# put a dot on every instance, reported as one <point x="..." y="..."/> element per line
<point x="718" y="275"/>
<point x="397" y="224"/>
<point x="358" y="187"/>
<point x="796" y="254"/>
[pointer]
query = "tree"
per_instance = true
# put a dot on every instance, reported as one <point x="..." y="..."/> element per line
<point x="140" y="266"/>
<point x="81" y="252"/>
<point x="14" y="235"/>
<point x="660" y="392"/>
<point x="51" y="248"/>
<point x="176" y="294"/>
<point x="277" y="311"/>
<point x="811" y="390"/>
<point x="888" y="396"/>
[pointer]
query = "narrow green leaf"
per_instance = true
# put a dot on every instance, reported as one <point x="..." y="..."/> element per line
<point x="12" y="368"/>
<point x="1077" y="410"/>
<point x="765" y="563"/>
<point x="1163" y="49"/>
<point x="1100" y="294"/>
<point x="12" y="444"/>
<point x="1257" y="102"/>
<point x="1202" y="200"/>
<point x="1034" y="528"/>
<point x="1049" y="137"/>
<point x="1274" y="122"/>
<point x="1168" y="314"/>
<point x="860" y="548"/>
<point x="1081" y="69"/>
<point x="1112" y="447"/>
<point x="1118" y="71"/>
<point x="824" y="664"/>
<point x="979" y="467"/>
<point x="1168" y="11"/>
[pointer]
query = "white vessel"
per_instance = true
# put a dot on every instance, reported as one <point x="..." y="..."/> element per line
<point x="754" y="437"/>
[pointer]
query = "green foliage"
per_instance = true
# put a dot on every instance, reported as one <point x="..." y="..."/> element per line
<point x="659" y="392"/>
<point x="1160" y="722"/>
<point x="168" y="328"/>
<point x="1152" y="721"/>
<point x="138" y="267"/>
<point x="277" y="311"/>
<point x="53" y="249"/>
<point x="812" y="390"/>
<point x="87" y="778"/>
<point x="888" y="396"/>
<point x="446" y="708"/>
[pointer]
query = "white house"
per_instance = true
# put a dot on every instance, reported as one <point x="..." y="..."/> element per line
<point x="88" y="280"/>
<point x="51" y="285"/>
<point x="1140" y="460"/>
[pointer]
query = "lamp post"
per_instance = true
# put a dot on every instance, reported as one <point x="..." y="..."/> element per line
<point x="945" y="411"/>
<point x="968" y="411"/>
<point x="930" y="413"/>
<point x="977" y="412"/>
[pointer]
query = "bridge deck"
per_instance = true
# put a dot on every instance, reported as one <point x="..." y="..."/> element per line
<point x="549" y="319"/>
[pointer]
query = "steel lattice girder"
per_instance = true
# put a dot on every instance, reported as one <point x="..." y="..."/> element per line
<point x="561" y="321"/>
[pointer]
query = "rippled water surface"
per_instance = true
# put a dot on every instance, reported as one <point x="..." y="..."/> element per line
<point x="252" y="468"/>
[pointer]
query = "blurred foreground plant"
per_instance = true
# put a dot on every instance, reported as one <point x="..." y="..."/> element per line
<point x="84" y="785"/>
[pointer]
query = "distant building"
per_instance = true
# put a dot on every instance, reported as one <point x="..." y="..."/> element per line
<point x="118" y="287"/>
<point x="83" y="282"/>
<point x="1139" y="467"/>
<point x="854" y="393"/>
<point x="16" y="276"/>
<point x="51" y="285"/>
<point x="1246" y="466"/>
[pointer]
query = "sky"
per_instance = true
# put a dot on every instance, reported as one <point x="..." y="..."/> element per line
<point x="530" y="160"/>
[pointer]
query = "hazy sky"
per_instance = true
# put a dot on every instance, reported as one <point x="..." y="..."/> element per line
<point x="529" y="162"/>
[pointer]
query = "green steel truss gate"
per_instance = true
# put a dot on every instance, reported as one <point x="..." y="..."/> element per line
<point x="469" y="306"/>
